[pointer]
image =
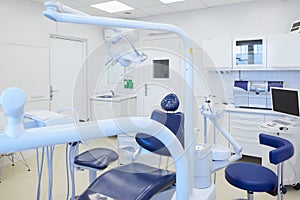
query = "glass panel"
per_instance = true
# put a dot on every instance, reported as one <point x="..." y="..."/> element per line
<point x="249" y="52"/>
<point x="161" y="68"/>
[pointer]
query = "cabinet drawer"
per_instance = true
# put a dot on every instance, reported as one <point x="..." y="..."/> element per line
<point x="245" y="132"/>
<point x="246" y="126"/>
<point x="247" y="118"/>
<point x="250" y="147"/>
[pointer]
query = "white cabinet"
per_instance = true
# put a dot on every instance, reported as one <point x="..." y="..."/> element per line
<point x="244" y="127"/>
<point x="283" y="50"/>
<point x="249" y="53"/>
<point x="217" y="53"/>
<point x="108" y="108"/>
<point x="291" y="170"/>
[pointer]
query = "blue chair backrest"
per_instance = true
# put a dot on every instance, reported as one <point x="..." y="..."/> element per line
<point x="284" y="148"/>
<point x="173" y="121"/>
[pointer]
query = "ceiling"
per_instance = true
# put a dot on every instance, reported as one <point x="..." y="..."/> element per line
<point x="145" y="8"/>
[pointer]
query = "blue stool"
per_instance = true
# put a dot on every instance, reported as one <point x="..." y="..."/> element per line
<point x="257" y="178"/>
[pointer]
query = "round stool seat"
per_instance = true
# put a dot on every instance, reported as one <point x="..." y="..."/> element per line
<point x="251" y="177"/>
<point x="98" y="158"/>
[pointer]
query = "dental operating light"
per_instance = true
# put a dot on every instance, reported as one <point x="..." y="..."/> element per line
<point x="125" y="58"/>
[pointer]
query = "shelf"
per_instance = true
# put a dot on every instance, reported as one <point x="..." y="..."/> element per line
<point x="220" y="70"/>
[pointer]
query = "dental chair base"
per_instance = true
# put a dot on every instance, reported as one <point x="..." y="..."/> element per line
<point x="205" y="194"/>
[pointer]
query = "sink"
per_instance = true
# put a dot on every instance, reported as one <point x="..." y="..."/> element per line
<point x="107" y="96"/>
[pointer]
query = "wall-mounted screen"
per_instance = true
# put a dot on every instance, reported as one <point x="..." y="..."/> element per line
<point x="285" y="101"/>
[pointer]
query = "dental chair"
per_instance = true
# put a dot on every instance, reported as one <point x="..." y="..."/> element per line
<point x="256" y="178"/>
<point x="96" y="159"/>
<point x="137" y="181"/>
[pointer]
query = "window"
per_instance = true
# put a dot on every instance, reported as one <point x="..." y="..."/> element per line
<point x="161" y="68"/>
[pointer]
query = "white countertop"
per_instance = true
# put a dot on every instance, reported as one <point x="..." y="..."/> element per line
<point x="251" y="110"/>
<point x="116" y="98"/>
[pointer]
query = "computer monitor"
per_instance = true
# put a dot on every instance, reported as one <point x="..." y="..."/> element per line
<point x="285" y="101"/>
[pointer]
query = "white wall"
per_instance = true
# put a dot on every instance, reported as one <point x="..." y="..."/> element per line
<point x="24" y="47"/>
<point x="257" y="18"/>
<point x="249" y="18"/>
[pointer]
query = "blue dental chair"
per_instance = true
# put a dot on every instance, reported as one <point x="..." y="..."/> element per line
<point x="137" y="181"/>
<point x="96" y="159"/>
<point x="257" y="178"/>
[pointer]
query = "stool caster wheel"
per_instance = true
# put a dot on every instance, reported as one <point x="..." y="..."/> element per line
<point x="284" y="190"/>
<point x="296" y="186"/>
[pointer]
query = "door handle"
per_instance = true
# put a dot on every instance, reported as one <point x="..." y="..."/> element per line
<point x="146" y="89"/>
<point x="52" y="91"/>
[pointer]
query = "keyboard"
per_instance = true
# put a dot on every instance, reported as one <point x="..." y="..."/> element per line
<point x="281" y="122"/>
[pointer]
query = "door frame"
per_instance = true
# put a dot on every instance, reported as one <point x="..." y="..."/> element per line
<point x="85" y="70"/>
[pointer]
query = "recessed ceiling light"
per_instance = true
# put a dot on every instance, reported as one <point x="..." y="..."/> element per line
<point x="171" y="1"/>
<point x="112" y="6"/>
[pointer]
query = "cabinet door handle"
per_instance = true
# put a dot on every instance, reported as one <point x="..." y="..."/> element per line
<point x="146" y="89"/>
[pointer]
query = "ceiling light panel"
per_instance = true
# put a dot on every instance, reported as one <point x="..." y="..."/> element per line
<point x="170" y="1"/>
<point x="112" y="6"/>
<point x="188" y="5"/>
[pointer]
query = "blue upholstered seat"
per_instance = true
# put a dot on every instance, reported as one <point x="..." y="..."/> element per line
<point x="98" y="158"/>
<point x="137" y="181"/>
<point x="251" y="177"/>
<point x="257" y="178"/>
<point x="130" y="182"/>
<point x="93" y="160"/>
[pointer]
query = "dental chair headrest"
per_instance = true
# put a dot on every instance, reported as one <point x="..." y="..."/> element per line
<point x="170" y="102"/>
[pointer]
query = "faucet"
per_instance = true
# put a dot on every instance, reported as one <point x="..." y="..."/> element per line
<point x="112" y="92"/>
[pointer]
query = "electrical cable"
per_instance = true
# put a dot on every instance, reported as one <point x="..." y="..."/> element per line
<point x="40" y="170"/>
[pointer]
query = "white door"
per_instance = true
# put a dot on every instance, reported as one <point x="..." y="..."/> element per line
<point x="67" y="75"/>
<point x="161" y="74"/>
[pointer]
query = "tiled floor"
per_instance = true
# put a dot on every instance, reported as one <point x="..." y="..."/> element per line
<point x="18" y="183"/>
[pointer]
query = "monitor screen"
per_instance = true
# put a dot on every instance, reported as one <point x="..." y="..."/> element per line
<point x="285" y="101"/>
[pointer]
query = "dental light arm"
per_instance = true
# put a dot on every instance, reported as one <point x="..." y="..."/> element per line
<point x="52" y="13"/>
<point x="206" y="111"/>
<point x="13" y="100"/>
<point x="65" y="9"/>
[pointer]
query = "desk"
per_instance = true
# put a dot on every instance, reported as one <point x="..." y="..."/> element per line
<point x="244" y="127"/>
<point x="291" y="132"/>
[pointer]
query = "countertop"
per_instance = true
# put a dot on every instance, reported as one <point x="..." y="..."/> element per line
<point x="251" y="110"/>
<point x="116" y="98"/>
